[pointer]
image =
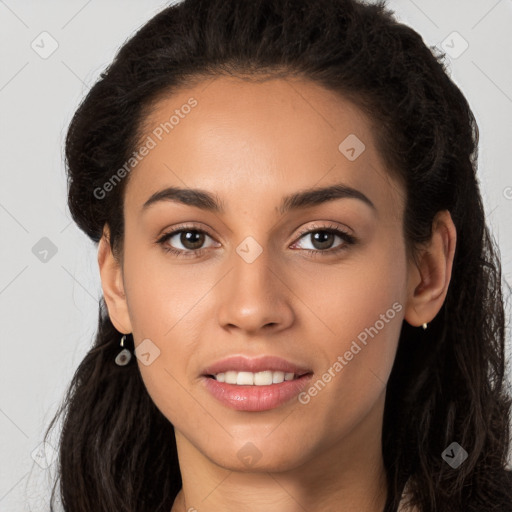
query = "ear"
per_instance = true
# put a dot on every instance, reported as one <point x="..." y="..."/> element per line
<point x="429" y="276"/>
<point x="112" y="285"/>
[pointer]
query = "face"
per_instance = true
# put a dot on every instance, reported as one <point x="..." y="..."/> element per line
<point x="319" y="283"/>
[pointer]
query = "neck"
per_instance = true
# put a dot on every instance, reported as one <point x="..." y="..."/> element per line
<point x="363" y="498"/>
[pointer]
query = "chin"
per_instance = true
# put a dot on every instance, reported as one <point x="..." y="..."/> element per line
<point x="263" y="457"/>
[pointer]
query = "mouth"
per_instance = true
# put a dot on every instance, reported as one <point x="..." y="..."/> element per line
<point x="259" y="396"/>
<point x="261" y="378"/>
<point x="259" y="384"/>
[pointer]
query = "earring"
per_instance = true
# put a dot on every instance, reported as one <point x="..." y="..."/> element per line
<point x="424" y="326"/>
<point x="124" y="357"/>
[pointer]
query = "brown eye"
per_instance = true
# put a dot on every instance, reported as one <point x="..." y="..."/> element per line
<point x="322" y="240"/>
<point x="190" y="239"/>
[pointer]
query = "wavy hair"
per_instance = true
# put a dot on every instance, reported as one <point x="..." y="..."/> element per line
<point x="117" y="451"/>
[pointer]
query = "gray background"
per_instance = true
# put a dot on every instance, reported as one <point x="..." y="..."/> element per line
<point x="49" y="302"/>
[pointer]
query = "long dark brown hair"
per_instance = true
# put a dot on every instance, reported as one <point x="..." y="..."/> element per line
<point x="117" y="451"/>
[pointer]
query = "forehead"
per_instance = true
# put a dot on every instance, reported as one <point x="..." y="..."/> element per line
<point x="250" y="139"/>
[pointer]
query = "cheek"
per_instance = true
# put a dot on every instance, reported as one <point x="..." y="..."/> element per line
<point x="160" y="294"/>
<point x="352" y="296"/>
<point x="361" y="310"/>
<point x="360" y="307"/>
<point x="161" y="306"/>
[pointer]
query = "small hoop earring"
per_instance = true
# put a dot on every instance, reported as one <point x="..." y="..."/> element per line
<point x="125" y="356"/>
<point x="424" y="326"/>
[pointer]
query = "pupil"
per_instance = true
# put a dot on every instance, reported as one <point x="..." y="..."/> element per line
<point x="187" y="237"/>
<point x="324" y="234"/>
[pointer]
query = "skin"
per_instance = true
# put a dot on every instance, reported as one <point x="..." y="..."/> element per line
<point x="251" y="144"/>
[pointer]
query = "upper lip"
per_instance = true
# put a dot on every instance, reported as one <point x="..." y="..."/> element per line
<point x="254" y="365"/>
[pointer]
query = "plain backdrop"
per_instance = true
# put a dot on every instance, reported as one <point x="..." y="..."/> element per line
<point x="51" y="54"/>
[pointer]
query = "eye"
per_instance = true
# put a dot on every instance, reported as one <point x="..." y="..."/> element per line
<point x="190" y="238"/>
<point x="323" y="237"/>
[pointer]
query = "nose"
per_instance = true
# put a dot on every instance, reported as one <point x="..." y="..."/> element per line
<point x="255" y="296"/>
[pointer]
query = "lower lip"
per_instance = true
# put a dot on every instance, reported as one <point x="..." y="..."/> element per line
<point x="256" y="398"/>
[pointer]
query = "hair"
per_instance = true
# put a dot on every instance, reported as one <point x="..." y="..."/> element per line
<point x="117" y="451"/>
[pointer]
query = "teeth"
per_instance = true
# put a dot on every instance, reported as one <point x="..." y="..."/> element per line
<point x="264" y="378"/>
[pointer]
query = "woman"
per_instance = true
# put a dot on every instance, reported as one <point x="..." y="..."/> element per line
<point x="301" y="299"/>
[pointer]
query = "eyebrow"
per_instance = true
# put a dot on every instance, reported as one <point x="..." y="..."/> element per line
<point x="298" y="200"/>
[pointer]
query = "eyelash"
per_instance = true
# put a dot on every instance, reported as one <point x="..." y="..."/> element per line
<point x="191" y="253"/>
